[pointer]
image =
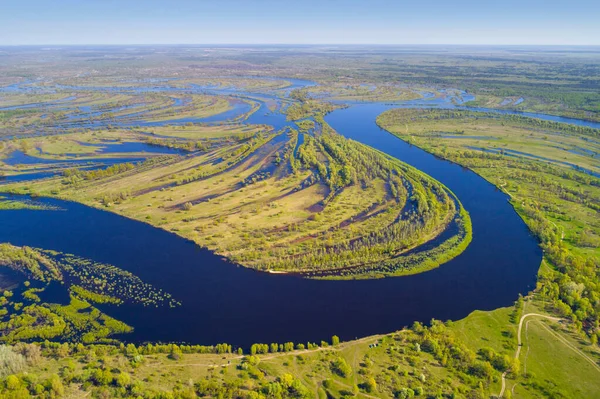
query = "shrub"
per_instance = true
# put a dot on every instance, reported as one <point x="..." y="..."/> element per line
<point x="10" y="361"/>
<point x="340" y="367"/>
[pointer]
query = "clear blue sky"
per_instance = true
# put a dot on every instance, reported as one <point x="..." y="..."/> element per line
<point x="300" y="21"/>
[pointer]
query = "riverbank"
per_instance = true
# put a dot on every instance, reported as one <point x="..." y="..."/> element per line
<point x="557" y="196"/>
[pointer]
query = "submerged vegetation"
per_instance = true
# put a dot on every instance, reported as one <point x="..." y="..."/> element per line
<point x="67" y="313"/>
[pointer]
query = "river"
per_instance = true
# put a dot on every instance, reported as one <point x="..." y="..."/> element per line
<point x="223" y="302"/>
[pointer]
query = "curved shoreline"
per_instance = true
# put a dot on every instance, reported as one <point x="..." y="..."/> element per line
<point x="226" y="303"/>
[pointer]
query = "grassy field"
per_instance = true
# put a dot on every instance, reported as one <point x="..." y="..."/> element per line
<point x="550" y="354"/>
<point x="363" y="92"/>
<point x="573" y="375"/>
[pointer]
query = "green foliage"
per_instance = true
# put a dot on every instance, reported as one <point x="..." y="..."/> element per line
<point x="73" y="175"/>
<point x="94" y="297"/>
<point x="556" y="194"/>
<point x="340" y="367"/>
<point x="30" y="319"/>
<point x="29" y="262"/>
<point x="87" y="282"/>
<point x="307" y="108"/>
<point x="426" y="204"/>
<point x="11" y="362"/>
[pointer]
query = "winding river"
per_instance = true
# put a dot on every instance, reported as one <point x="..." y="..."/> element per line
<point x="223" y="302"/>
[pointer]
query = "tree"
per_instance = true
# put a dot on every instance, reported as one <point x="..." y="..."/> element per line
<point x="32" y="353"/>
<point x="102" y="377"/>
<point x="370" y="385"/>
<point x="340" y="367"/>
<point x="56" y="386"/>
<point x="501" y="362"/>
<point x="123" y="380"/>
<point x="63" y="350"/>
<point x="13" y="382"/>
<point x="175" y="353"/>
<point x="335" y="340"/>
<point x="288" y="346"/>
<point x="406" y="393"/>
<point x="286" y="380"/>
<point x="482" y="370"/>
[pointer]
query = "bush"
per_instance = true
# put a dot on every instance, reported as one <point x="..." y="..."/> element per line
<point x="31" y="352"/>
<point x="340" y="367"/>
<point x="123" y="380"/>
<point x="406" y="393"/>
<point x="10" y="361"/>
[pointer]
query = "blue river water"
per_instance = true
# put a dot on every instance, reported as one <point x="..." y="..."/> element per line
<point x="223" y="302"/>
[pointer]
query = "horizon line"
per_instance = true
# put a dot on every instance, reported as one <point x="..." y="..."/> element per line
<point x="300" y="44"/>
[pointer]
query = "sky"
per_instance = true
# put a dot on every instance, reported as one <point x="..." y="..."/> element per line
<point x="500" y="22"/>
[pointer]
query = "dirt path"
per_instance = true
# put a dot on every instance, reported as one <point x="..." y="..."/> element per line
<point x="573" y="347"/>
<point x="502" y="185"/>
<point x="336" y="348"/>
<point x="275" y="355"/>
<point x="556" y="335"/>
<point x="518" y="352"/>
<point x="528" y="347"/>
